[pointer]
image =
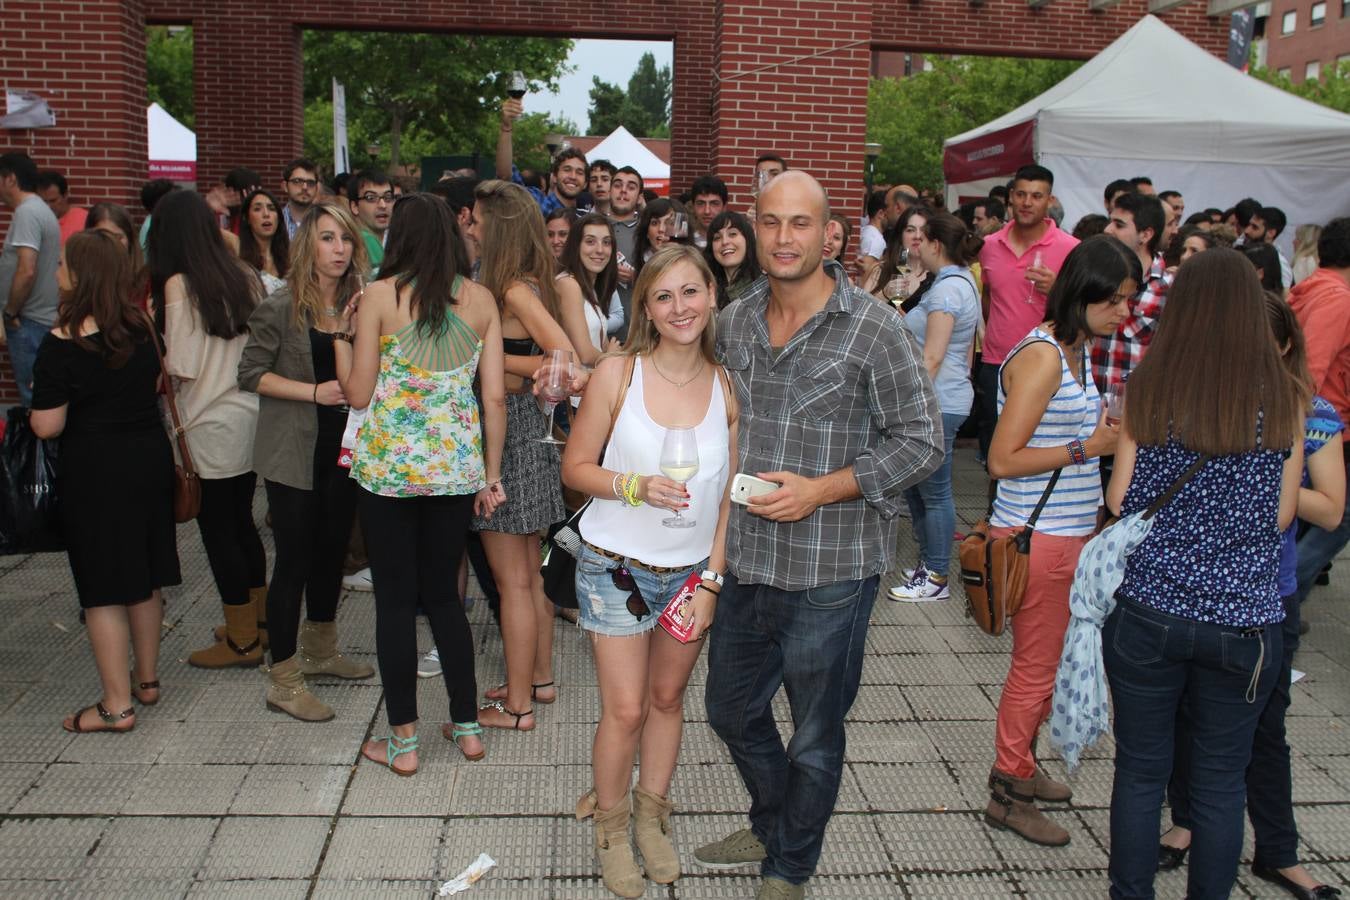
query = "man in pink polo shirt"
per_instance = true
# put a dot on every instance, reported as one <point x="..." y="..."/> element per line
<point x="1018" y="263"/>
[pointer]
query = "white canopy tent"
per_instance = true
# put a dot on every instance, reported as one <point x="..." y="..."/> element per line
<point x="172" y="146"/>
<point x="1153" y="103"/>
<point x="622" y="149"/>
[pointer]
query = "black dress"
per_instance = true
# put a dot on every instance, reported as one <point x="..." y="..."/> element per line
<point x="115" y="480"/>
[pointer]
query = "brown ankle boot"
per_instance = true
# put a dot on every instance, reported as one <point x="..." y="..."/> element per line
<point x="1047" y="788"/>
<point x="651" y="831"/>
<point x="257" y="598"/>
<point x="240" y="646"/>
<point x="286" y="692"/>
<point x="618" y="868"/>
<point x="1012" y="805"/>
<point x="319" y="654"/>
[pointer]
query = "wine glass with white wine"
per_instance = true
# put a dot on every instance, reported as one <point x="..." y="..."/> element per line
<point x="679" y="462"/>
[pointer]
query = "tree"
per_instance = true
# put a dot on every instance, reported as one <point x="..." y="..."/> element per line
<point x="644" y="109"/>
<point x="911" y="117"/>
<point x="432" y="91"/>
<point x="168" y="70"/>
<point x="1332" y="89"/>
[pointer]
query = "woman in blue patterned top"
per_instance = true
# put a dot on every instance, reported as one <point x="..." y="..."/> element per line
<point x="1270" y="803"/>
<point x="1198" y="612"/>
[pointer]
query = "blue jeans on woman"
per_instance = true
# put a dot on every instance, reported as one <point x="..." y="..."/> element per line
<point x="1225" y="675"/>
<point x="932" y="511"/>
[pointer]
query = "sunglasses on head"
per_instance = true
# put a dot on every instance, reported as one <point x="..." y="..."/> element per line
<point x="623" y="580"/>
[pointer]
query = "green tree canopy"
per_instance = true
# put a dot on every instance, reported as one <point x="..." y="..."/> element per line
<point x="911" y="117"/>
<point x="644" y="109"/>
<point x="168" y="71"/>
<point x="1331" y="89"/>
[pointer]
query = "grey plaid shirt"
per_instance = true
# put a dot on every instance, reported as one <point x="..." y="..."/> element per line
<point x="848" y="389"/>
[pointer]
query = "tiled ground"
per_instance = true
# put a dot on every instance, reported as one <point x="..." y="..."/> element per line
<point x="213" y="796"/>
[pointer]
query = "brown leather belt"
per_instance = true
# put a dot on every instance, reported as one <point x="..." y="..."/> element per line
<point x="620" y="558"/>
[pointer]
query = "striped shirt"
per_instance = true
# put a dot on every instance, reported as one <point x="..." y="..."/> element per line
<point x="1072" y="413"/>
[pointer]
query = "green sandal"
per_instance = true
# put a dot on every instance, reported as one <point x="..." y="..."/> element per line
<point x="456" y="730"/>
<point x="394" y="747"/>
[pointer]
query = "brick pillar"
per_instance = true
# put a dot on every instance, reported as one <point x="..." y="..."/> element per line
<point x="87" y="59"/>
<point x="248" y="96"/>
<point x="795" y="84"/>
<point x="691" y="144"/>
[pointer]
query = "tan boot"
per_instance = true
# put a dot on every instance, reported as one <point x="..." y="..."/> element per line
<point x="240" y="646"/>
<point x="319" y="654"/>
<point x="1012" y="805"/>
<point x="651" y="831"/>
<point x="286" y="692"/>
<point x="1047" y="788"/>
<point x="618" y="868"/>
<point x="257" y="598"/>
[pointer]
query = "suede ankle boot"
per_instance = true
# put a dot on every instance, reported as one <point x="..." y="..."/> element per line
<point x="319" y="654"/>
<point x="286" y="692"/>
<point x="618" y="868"/>
<point x="257" y="599"/>
<point x="1012" y="805"/>
<point x="1047" y="788"/>
<point x="651" y="831"/>
<point x="240" y="646"/>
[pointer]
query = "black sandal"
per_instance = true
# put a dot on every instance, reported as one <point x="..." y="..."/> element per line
<point x="109" y="720"/>
<point x="500" y="707"/>
<point x="143" y="686"/>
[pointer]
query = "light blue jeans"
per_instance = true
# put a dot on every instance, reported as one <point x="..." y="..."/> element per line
<point x="932" y="511"/>
<point x="23" y="347"/>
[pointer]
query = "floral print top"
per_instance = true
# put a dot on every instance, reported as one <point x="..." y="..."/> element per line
<point x="422" y="434"/>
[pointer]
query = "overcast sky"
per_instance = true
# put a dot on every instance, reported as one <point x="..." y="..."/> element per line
<point x="612" y="61"/>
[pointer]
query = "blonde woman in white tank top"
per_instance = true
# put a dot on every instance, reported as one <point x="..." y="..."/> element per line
<point x="641" y="669"/>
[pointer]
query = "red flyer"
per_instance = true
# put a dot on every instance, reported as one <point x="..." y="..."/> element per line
<point x="678" y="616"/>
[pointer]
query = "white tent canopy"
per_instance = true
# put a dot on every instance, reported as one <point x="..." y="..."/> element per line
<point x="1153" y="103"/>
<point x="622" y="149"/>
<point x="172" y="146"/>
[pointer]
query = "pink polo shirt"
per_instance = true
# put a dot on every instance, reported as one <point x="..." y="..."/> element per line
<point x="1015" y="307"/>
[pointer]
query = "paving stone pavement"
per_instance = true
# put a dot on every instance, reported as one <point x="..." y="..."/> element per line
<point x="214" y="796"/>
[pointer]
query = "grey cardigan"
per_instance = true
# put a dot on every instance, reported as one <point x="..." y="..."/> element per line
<point x="283" y="448"/>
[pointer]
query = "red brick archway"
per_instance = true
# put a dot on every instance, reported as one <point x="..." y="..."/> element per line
<point x="750" y="75"/>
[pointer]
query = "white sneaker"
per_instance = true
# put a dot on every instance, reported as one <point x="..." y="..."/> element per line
<point x="919" y="590"/>
<point x="359" y="581"/>
<point x="908" y="575"/>
<point x="429" y="666"/>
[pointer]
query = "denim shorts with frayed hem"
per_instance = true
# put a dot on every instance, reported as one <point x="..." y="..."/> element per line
<point x="604" y="606"/>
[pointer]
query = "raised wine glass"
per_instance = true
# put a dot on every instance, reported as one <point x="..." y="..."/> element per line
<point x="515" y="85"/>
<point x="679" y="462"/>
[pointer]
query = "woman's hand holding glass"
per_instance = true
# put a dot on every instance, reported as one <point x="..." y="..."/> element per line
<point x="1103" y="439"/>
<point x="662" y="492"/>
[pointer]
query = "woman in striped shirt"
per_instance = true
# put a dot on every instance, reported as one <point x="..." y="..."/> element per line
<point x="1045" y="448"/>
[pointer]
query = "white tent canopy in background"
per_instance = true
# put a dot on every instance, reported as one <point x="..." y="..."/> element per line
<point x="1153" y="103"/>
<point x="172" y="146"/>
<point x="622" y="149"/>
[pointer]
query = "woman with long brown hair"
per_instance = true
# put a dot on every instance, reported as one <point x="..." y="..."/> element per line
<point x="1198" y="611"/>
<point x="94" y="385"/>
<point x="518" y="268"/>
<point x="263" y="242"/>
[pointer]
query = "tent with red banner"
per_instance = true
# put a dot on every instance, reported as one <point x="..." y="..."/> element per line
<point x="1153" y="103"/>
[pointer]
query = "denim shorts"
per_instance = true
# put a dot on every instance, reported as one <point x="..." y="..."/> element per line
<point x="604" y="607"/>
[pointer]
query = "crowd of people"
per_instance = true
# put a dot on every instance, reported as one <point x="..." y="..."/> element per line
<point x="749" y="407"/>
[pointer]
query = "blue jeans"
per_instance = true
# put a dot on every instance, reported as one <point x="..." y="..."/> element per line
<point x="1317" y="547"/>
<point x="23" y="347"/>
<point x="1270" y="784"/>
<point x="932" y="511"/>
<point x="811" y="642"/>
<point x="1225" y="675"/>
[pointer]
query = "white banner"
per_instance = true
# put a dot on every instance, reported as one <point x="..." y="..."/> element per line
<point x="340" y="154"/>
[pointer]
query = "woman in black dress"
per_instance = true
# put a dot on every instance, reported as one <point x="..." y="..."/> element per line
<point x="94" y="385"/>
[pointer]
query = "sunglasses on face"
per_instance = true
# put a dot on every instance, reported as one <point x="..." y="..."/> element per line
<point x="623" y="580"/>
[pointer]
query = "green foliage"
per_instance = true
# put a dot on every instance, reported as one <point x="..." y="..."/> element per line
<point x="911" y="117"/>
<point x="418" y="94"/>
<point x="168" y="71"/>
<point x="644" y="109"/>
<point x="1332" y="89"/>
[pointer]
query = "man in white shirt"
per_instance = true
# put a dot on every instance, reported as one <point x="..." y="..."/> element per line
<point x="871" y="242"/>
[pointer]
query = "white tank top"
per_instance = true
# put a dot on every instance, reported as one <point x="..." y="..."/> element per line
<point x="635" y="446"/>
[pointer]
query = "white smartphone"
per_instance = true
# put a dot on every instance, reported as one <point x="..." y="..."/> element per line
<point x="743" y="487"/>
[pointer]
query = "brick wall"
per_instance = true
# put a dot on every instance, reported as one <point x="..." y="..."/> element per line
<point x="1324" y="43"/>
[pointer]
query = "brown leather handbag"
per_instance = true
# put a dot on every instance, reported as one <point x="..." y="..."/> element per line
<point x="994" y="570"/>
<point x="187" y="487"/>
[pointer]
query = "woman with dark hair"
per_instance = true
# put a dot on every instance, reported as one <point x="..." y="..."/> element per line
<point x="203" y="296"/>
<point x="944" y="323"/>
<point x="731" y="256"/>
<point x="837" y="233"/>
<point x="1187" y="242"/>
<point x="423" y="335"/>
<point x="290" y="362"/>
<point x="589" y="258"/>
<point x="557" y="225"/>
<point x="1266" y="260"/>
<point x="263" y="242"/>
<point x="902" y="261"/>
<point x="654" y="229"/>
<point x="1270" y="804"/>
<point x="1049" y="437"/>
<point x="1197" y="614"/>
<point x="114" y="219"/>
<point x="94" y="386"/>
